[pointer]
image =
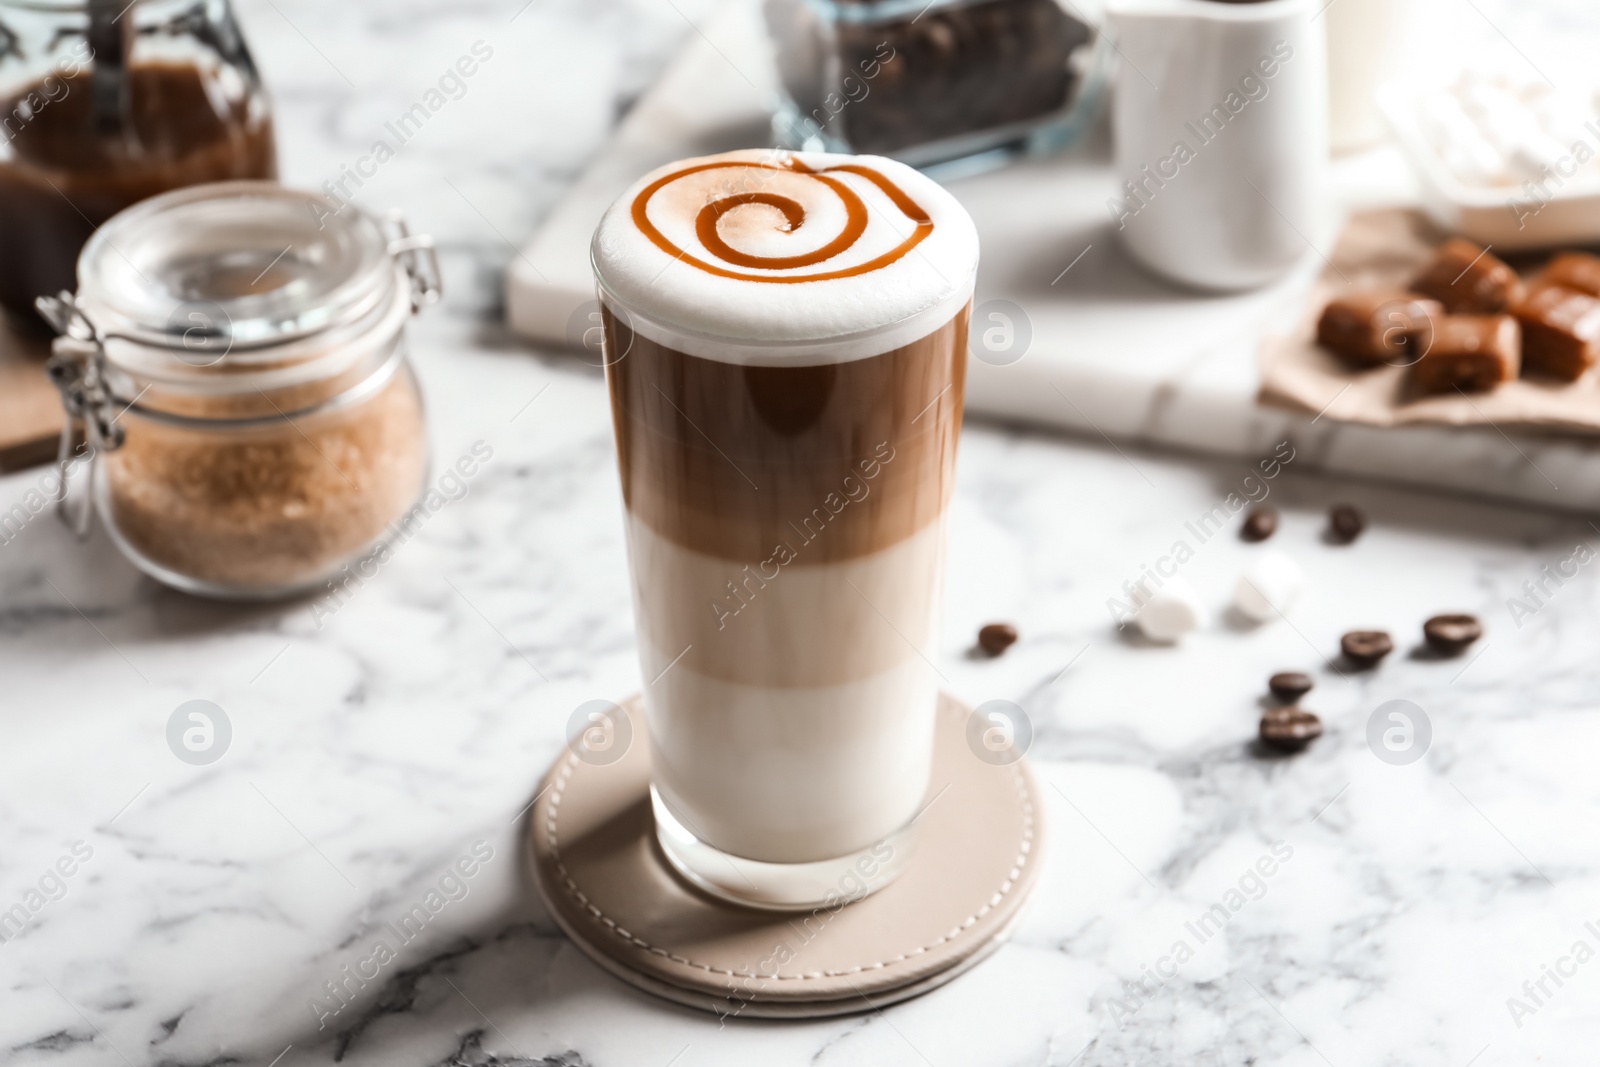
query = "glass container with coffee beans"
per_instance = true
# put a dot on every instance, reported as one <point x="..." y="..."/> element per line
<point x="104" y="103"/>
<point x="932" y="82"/>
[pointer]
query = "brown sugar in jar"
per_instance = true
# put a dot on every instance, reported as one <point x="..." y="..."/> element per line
<point x="251" y="437"/>
<point x="263" y="506"/>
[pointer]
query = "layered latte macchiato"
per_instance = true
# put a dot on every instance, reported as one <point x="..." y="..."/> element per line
<point x="786" y="339"/>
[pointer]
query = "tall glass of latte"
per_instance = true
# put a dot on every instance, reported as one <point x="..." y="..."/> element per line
<point x="785" y="338"/>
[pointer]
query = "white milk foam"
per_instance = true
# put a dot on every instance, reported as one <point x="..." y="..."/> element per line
<point x="739" y="320"/>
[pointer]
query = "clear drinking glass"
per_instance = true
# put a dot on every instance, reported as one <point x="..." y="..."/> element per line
<point x="785" y="502"/>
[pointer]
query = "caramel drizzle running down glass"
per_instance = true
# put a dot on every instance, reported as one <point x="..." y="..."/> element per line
<point x="787" y="443"/>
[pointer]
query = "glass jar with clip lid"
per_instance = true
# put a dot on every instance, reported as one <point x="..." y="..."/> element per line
<point x="235" y="356"/>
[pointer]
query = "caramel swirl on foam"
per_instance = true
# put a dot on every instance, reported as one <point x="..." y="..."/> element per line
<point x="794" y="214"/>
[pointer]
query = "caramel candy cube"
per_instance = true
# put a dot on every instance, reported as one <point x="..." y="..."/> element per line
<point x="1378" y="326"/>
<point x="1560" y="332"/>
<point x="1573" y="270"/>
<point x="1474" y="353"/>
<point x="1467" y="280"/>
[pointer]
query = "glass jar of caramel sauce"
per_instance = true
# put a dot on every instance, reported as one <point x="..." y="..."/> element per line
<point x="104" y="103"/>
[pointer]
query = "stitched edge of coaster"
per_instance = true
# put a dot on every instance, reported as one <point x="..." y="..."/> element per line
<point x="552" y="837"/>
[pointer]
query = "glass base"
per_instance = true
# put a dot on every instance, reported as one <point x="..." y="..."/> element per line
<point x="829" y="883"/>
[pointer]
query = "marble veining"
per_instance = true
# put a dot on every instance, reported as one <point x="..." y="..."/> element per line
<point x="380" y="738"/>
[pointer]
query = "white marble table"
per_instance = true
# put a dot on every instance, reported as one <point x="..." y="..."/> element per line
<point x="208" y="907"/>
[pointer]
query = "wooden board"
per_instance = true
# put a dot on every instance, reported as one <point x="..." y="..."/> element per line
<point x="30" y="407"/>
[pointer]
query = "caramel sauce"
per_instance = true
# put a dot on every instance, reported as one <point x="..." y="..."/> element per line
<point x="794" y="216"/>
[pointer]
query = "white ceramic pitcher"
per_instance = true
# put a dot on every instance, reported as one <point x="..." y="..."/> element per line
<point x="1220" y="123"/>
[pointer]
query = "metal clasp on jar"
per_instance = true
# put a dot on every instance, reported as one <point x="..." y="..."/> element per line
<point x="77" y="367"/>
<point x="416" y="255"/>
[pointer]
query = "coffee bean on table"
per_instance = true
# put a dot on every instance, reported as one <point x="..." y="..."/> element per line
<point x="1345" y="522"/>
<point x="1289" y="729"/>
<point x="1259" y="525"/>
<point x="1365" y="648"/>
<point x="1451" y="634"/>
<point x="1289" y="686"/>
<point x="996" y="637"/>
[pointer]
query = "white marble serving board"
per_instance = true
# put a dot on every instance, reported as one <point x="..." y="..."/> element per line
<point x="1114" y="353"/>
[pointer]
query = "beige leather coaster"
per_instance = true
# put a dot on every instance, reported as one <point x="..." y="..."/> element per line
<point x="601" y="873"/>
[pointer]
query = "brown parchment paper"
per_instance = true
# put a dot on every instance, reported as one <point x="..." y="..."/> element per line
<point x="1388" y="248"/>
